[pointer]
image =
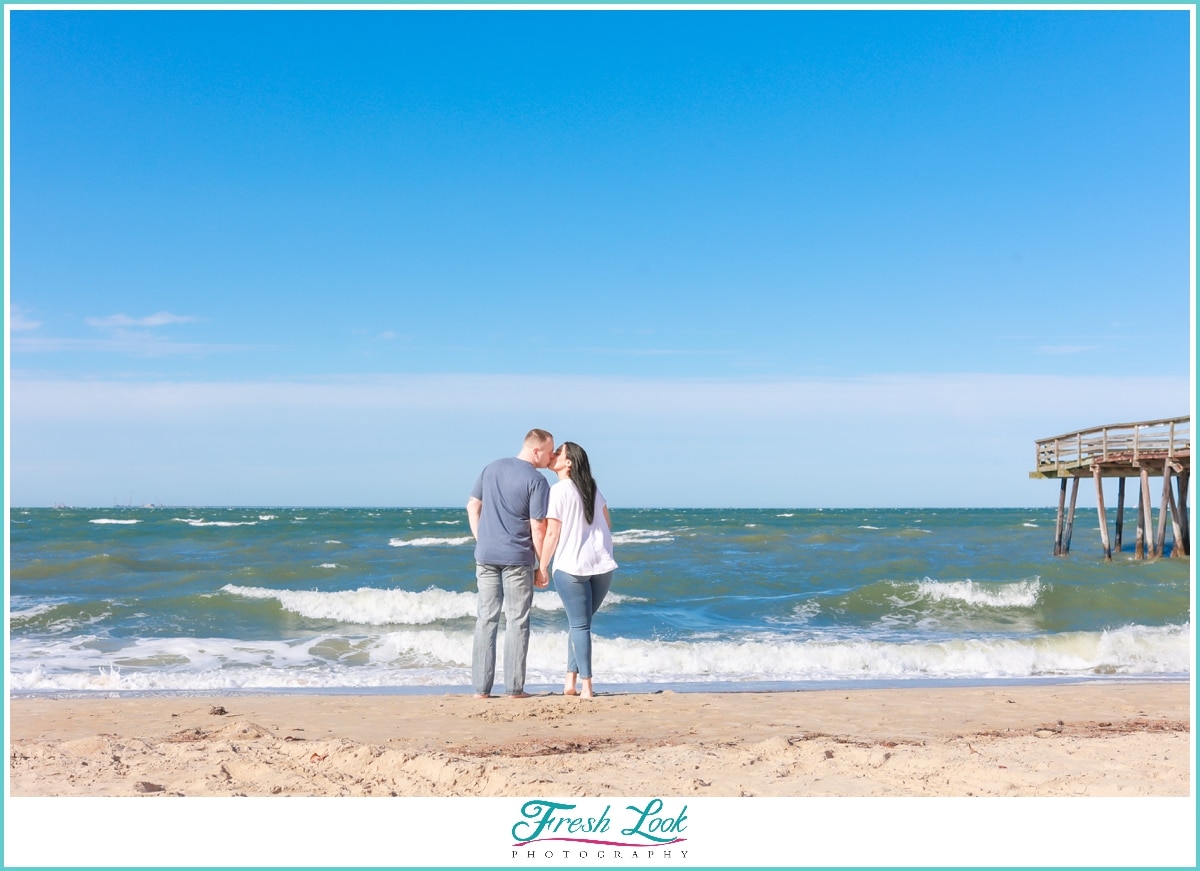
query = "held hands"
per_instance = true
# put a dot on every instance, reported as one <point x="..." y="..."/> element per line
<point x="542" y="578"/>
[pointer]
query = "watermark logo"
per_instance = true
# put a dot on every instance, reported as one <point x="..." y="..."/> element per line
<point x="554" y="830"/>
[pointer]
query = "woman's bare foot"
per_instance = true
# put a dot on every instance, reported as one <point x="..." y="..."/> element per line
<point x="569" y="684"/>
<point x="587" y="689"/>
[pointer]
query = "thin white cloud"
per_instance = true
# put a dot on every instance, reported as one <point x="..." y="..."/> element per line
<point x="137" y="344"/>
<point x="122" y="321"/>
<point x="659" y="352"/>
<point x="1060" y="350"/>
<point x="19" y="321"/>
<point x="125" y="335"/>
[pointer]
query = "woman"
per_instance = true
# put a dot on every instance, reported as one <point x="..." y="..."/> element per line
<point x="579" y="538"/>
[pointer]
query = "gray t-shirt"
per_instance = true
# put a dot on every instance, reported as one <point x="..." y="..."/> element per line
<point x="512" y="492"/>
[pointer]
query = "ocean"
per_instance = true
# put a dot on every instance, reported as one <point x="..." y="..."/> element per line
<point x="179" y="600"/>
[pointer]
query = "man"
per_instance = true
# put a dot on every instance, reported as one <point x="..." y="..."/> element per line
<point x="507" y="511"/>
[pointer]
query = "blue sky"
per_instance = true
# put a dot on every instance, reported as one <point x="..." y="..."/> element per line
<point x="759" y="258"/>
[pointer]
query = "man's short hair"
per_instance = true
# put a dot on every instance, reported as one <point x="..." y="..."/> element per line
<point x="536" y="437"/>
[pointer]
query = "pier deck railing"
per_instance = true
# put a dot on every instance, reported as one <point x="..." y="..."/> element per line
<point x="1120" y="444"/>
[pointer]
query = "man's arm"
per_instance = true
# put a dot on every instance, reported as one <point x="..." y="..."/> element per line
<point x="537" y="529"/>
<point x="474" y="509"/>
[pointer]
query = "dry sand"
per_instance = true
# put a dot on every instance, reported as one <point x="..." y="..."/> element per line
<point x="1101" y="739"/>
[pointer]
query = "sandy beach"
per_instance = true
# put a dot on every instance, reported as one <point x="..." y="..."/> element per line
<point x="1099" y="739"/>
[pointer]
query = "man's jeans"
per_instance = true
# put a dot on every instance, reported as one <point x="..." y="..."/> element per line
<point x="510" y="587"/>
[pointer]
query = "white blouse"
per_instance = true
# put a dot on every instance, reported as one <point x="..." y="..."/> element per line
<point x="583" y="549"/>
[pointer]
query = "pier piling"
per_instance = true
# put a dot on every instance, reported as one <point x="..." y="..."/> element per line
<point x="1120" y="514"/>
<point x="1160" y="541"/>
<point x="1181" y="483"/>
<point x="1148" y="509"/>
<point x="1071" y="516"/>
<point x="1100" y="511"/>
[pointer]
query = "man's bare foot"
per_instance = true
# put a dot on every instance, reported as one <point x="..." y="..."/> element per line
<point x="570" y="692"/>
<point x="483" y="695"/>
<point x="520" y="695"/>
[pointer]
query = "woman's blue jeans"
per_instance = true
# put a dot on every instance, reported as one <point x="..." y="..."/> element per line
<point x="581" y="597"/>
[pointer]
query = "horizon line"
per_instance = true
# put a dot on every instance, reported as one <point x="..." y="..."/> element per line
<point x="317" y="507"/>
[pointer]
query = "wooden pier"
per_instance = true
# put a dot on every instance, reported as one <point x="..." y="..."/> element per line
<point x="1141" y="451"/>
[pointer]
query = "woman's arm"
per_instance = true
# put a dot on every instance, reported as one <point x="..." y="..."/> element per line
<point x="608" y="517"/>
<point x="549" y="545"/>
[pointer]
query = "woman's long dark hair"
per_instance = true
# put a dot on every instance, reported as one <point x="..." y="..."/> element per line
<point x="581" y="477"/>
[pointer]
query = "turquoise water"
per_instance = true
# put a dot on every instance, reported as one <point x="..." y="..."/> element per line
<point x="171" y="599"/>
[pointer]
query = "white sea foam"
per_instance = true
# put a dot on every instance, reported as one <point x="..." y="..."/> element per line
<point x="1132" y="651"/>
<point x="375" y="607"/>
<point x="870" y="527"/>
<point x="805" y="611"/>
<point x="191" y="521"/>
<point x="23" y="612"/>
<point x="447" y="522"/>
<point x="67" y="622"/>
<point x="1030" y="525"/>
<point x="268" y="517"/>
<point x="785" y="515"/>
<point x="617" y="598"/>
<point x="328" y="566"/>
<point x="1016" y="594"/>
<point x="642" y="536"/>
<point x="367" y="605"/>
<point x="111" y="520"/>
<point x="332" y="541"/>
<point x="429" y="541"/>
<point x="437" y="657"/>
